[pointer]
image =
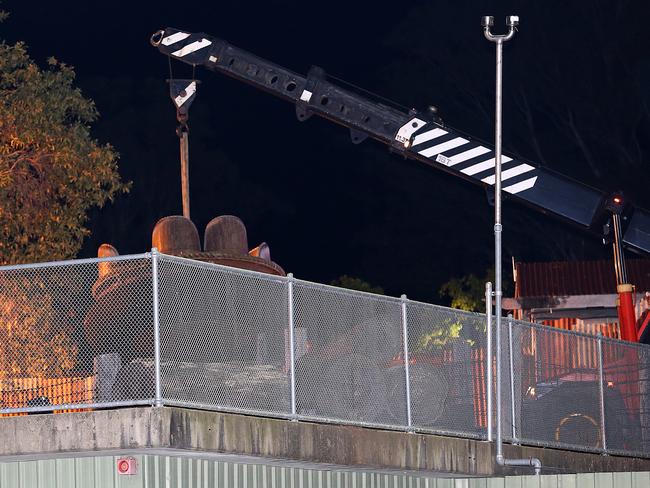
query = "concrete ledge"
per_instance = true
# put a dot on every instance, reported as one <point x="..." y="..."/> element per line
<point x="215" y="432"/>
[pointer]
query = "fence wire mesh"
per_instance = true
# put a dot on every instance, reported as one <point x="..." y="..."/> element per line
<point x="81" y="333"/>
<point x="223" y="337"/>
<point x="75" y="334"/>
<point x="347" y="362"/>
<point x="508" y="420"/>
<point x="626" y="394"/>
<point x="447" y="370"/>
<point x="558" y="388"/>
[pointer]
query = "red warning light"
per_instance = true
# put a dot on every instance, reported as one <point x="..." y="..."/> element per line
<point x="127" y="465"/>
<point x="617" y="200"/>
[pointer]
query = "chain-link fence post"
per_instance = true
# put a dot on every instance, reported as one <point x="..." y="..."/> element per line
<point x="405" y="338"/>
<point x="292" y="346"/>
<point x="488" y="360"/>
<point x="156" y="327"/>
<point x="601" y="391"/>
<point x="513" y="413"/>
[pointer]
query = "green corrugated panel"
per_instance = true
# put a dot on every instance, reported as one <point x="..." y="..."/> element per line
<point x="65" y="475"/>
<point x="640" y="480"/>
<point x="621" y="479"/>
<point x="28" y="473"/>
<point x="585" y="480"/>
<point x="567" y="481"/>
<point x="84" y="472"/>
<point x="9" y="476"/>
<point x="513" y="482"/>
<point x="189" y="472"/>
<point x="475" y="483"/>
<point x="495" y="483"/>
<point x="603" y="480"/>
<point x="548" y="481"/>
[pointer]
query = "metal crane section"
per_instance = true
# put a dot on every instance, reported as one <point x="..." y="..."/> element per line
<point x="419" y="135"/>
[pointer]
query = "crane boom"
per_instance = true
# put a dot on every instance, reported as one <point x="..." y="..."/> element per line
<point x="418" y="135"/>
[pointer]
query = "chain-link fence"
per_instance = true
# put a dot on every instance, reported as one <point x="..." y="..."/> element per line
<point x="76" y="334"/>
<point x="223" y="338"/>
<point x="162" y="330"/>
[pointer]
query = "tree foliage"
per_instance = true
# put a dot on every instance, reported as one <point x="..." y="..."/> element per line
<point x="353" y="283"/>
<point x="466" y="293"/>
<point x="51" y="169"/>
<point x="32" y="341"/>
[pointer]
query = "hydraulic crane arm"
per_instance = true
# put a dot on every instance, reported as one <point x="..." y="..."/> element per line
<point x="417" y="135"/>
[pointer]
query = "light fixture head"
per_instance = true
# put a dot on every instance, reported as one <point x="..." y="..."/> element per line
<point x="487" y="21"/>
<point x="512" y="20"/>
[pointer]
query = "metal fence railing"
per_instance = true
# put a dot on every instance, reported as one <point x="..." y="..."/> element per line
<point x="154" y="329"/>
<point x="76" y="334"/>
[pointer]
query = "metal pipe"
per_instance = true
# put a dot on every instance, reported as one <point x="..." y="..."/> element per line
<point x="512" y="381"/>
<point x="185" y="172"/>
<point x="487" y="22"/>
<point x="497" y="240"/>
<point x="292" y="346"/>
<point x="534" y="463"/>
<point x="405" y="336"/>
<point x="75" y="262"/>
<point x="156" y="328"/>
<point x="488" y="354"/>
<point x="601" y="385"/>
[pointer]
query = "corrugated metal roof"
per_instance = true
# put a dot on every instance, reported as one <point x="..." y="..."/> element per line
<point x="563" y="278"/>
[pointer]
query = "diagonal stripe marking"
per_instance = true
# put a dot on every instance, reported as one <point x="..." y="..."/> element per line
<point x="509" y="173"/>
<point x="190" y="48"/>
<point x="174" y="38"/>
<point x="482" y="166"/>
<point x="429" y="135"/>
<point x="464" y="156"/>
<point x="445" y="146"/>
<point x="521" y="186"/>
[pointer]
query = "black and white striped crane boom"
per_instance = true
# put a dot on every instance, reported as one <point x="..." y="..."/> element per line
<point x="418" y="135"/>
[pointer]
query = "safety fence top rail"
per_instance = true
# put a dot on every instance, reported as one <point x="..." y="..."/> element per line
<point x="221" y="268"/>
<point x="346" y="291"/>
<point x="74" y="262"/>
<point x="285" y="279"/>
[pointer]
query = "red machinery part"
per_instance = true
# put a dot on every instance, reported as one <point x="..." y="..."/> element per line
<point x="626" y="315"/>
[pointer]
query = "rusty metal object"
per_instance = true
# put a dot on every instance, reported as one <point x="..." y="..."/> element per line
<point x="225" y="243"/>
<point x="252" y="263"/>
<point x="109" y="325"/>
<point x="175" y="234"/>
<point x="226" y="234"/>
<point x="116" y="322"/>
<point x="106" y="251"/>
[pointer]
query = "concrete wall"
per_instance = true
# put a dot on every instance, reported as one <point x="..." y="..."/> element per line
<point x="217" y="432"/>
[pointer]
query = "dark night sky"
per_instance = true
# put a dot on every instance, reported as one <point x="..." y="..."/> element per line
<point x="576" y="100"/>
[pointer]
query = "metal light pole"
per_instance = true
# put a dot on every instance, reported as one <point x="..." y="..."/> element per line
<point x="487" y="23"/>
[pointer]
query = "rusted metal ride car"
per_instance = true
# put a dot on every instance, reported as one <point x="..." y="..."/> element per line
<point x="119" y="322"/>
